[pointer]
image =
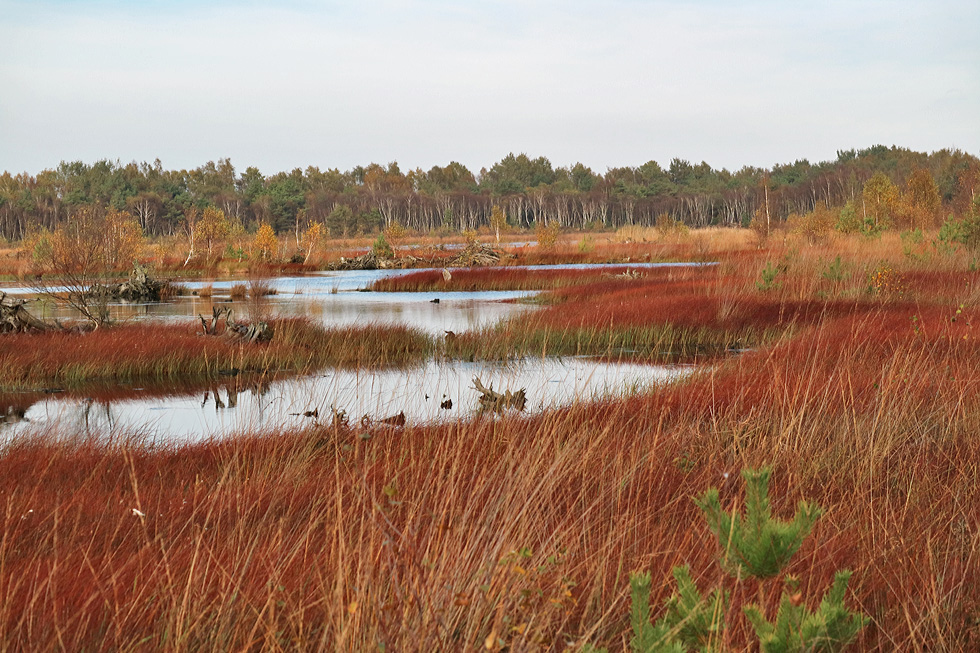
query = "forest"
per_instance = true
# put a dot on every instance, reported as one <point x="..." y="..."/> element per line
<point x="878" y="186"/>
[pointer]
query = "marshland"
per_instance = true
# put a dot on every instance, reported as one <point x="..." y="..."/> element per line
<point x="830" y="343"/>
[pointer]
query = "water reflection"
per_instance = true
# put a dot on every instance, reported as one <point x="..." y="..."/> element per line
<point x="432" y="392"/>
<point x="435" y="391"/>
<point x="332" y="298"/>
<point x="335" y="299"/>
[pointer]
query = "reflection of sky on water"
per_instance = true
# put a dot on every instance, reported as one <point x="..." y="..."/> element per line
<point x="331" y="298"/>
<point x="236" y="406"/>
<point x="339" y="280"/>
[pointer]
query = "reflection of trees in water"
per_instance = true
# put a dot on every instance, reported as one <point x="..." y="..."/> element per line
<point x="105" y="406"/>
<point x="109" y="408"/>
<point x="85" y="415"/>
<point x="259" y="389"/>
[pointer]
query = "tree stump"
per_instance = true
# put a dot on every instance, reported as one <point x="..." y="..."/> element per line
<point x="14" y="318"/>
<point x="497" y="402"/>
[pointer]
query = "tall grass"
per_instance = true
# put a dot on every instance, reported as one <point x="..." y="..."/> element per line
<point x="519" y="534"/>
<point x="138" y="352"/>
<point x="498" y="278"/>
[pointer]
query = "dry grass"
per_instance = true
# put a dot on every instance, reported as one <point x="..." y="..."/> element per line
<point x="519" y="534"/>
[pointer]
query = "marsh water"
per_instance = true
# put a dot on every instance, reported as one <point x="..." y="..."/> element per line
<point x="332" y="298"/>
<point x="434" y="391"/>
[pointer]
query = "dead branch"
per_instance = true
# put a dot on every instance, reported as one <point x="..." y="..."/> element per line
<point x="250" y="333"/>
<point x="217" y="312"/>
<point x="497" y="402"/>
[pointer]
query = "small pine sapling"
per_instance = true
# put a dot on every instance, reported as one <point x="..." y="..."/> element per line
<point x="754" y="545"/>
<point x="796" y="628"/>
<point x="690" y="621"/>
<point x="769" y="274"/>
<point x="757" y="544"/>
<point x="648" y="637"/>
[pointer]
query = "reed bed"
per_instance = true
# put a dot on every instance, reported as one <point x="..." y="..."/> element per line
<point x="661" y="314"/>
<point x="497" y="278"/>
<point x="656" y="343"/>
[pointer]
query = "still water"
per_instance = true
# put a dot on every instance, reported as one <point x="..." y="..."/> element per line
<point x="435" y="391"/>
<point x="332" y="298"/>
<point x="432" y="392"/>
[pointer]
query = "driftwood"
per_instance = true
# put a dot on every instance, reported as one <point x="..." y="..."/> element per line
<point x="497" y="402"/>
<point x="245" y="332"/>
<point x="14" y="318"/>
<point x="475" y="254"/>
<point x="394" y="420"/>
<point x="255" y="332"/>
<point x="217" y="312"/>
<point x="340" y="420"/>
<point x="140" y="287"/>
<point x="371" y="261"/>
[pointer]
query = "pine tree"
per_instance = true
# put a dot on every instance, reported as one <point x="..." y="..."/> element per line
<point x="754" y="545"/>
<point x="757" y="544"/>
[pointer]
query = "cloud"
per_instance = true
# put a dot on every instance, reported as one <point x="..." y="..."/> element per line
<point x="617" y="83"/>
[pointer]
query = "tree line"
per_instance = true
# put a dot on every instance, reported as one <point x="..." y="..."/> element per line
<point x="525" y="191"/>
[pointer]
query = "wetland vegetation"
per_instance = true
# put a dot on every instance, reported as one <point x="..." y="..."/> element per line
<point x="841" y="354"/>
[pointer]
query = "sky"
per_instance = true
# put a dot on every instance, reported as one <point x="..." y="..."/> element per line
<point x="296" y="83"/>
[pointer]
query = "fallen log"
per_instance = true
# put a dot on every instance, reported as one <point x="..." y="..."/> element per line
<point x="497" y="402"/>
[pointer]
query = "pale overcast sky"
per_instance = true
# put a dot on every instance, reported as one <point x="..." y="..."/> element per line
<point x="293" y="83"/>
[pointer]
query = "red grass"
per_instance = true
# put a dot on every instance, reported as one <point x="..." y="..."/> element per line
<point x="496" y="278"/>
<point x="411" y="538"/>
<point x="157" y="351"/>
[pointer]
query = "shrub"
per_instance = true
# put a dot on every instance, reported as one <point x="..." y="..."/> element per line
<point x="547" y="233"/>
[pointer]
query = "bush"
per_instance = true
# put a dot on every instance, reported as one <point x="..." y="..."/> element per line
<point x="547" y="233"/>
